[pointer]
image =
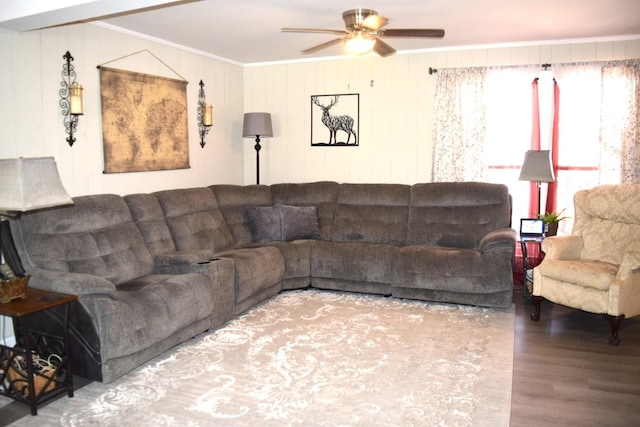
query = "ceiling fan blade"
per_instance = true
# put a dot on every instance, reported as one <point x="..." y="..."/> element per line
<point x="412" y="32"/>
<point x="374" y="22"/>
<point x="315" y="31"/>
<point x="323" y="46"/>
<point x="382" y="48"/>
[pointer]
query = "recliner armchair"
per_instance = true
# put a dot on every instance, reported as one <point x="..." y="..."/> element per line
<point x="597" y="268"/>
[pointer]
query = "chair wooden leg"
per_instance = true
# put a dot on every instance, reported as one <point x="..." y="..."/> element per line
<point x="615" y="322"/>
<point x="536" y="300"/>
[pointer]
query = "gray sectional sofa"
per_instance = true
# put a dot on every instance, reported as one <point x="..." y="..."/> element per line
<point x="153" y="270"/>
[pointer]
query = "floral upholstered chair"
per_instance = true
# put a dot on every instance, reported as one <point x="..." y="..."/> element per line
<point x="597" y="267"/>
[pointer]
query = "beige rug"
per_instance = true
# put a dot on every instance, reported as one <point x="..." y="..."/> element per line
<point x="318" y="358"/>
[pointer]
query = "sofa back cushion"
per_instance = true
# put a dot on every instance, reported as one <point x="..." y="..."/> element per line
<point x="234" y="201"/>
<point x="322" y="194"/>
<point x="456" y="214"/>
<point x="147" y="214"/>
<point x="194" y="219"/>
<point x="608" y="219"/>
<point x="94" y="236"/>
<point x="373" y="213"/>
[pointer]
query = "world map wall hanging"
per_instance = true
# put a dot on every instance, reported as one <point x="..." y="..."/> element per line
<point x="144" y="122"/>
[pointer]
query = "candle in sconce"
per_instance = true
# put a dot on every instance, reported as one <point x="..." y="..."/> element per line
<point x="207" y="118"/>
<point x="75" y="100"/>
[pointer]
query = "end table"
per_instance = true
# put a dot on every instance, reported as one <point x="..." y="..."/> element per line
<point x="529" y="262"/>
<point x="20" y="377"/>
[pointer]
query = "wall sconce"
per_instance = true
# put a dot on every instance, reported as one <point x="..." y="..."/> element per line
<point x="205" y="115"/>
<point x="70" y="98"/>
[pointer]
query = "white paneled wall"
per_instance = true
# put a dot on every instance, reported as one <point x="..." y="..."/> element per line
<point x="30" y="77"/>
<point x="396" y="108"/>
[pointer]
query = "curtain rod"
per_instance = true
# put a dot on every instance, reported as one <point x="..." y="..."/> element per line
<point x="631" y="62"/>
<point x="433" y="70"/>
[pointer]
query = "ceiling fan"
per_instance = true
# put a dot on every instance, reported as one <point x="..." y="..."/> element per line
<point x="363" y="32"/>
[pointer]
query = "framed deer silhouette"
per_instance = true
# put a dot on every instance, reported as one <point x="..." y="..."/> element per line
<point x="335" y="120"/>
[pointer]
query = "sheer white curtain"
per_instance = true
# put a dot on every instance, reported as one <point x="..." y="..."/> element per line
<point x="619" y="133"/>
<point x="459" y="126"/>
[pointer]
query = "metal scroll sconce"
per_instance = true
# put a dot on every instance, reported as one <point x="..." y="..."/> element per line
<point x="205" y="115"/>
<point x="70" y="98"/>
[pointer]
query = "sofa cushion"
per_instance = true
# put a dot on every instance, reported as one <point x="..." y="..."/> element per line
<point x="256" y="270"/>
<point x="149" y="309"/>
<point x="608" y="219"/>
<point x="323" y="195"/>
<point x="264" y="223"/>
<point x="233" y="201"/>
<point x="148" y="216"/>
<point x="282" y="223"/>
<point x="593" y="274"/>
<point x="373" y="213"/>
<point x="356" y="262"/>
<point x="194" y="219"/>
<point x="298" y="222"/>
<point x="95" y="236"/>
<point x="456" y="214"/>
<point x="455" y="270"/>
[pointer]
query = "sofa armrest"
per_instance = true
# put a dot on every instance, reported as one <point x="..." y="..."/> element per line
<point x="624" y="292"/>
<point x="71" y="283"/>
<point x="498" y="239"/>
<point x="630" y="265"/>
<point x="562" y="247"/>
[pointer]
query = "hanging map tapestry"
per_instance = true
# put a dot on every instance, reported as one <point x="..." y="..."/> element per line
<point x="144" y="122"/>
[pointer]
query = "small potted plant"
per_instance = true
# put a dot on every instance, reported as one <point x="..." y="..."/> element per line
<point x="551" y="220"/>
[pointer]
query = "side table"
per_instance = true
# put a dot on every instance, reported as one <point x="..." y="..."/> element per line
<point x="21" y="377"/>
<point x="529" y="262"/>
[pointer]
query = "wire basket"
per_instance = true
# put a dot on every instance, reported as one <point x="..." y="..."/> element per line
<point x="44" y="375"/>
<point x="13" y="289"/>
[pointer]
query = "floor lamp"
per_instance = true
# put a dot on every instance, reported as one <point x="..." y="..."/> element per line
<point x="537" y="167"/>
<point x="258" y="125"/>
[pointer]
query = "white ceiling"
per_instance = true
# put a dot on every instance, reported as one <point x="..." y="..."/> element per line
<point x="248" y="31"/>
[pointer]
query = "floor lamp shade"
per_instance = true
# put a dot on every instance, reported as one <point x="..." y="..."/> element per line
<point x="30" y="183"/>
<point x="257" y="124"/>
<point x="537" y="166"/>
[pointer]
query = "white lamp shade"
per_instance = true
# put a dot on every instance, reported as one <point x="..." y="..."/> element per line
<point x="30" y="183"/>
<point x="537" y="166"/>
<point x="257" y="124"/>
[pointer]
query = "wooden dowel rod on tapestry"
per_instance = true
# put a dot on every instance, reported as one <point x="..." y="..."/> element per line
<point x="142" y="51"/>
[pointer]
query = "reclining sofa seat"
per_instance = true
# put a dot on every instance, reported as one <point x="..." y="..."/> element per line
<point x="368" y="227"/>
<point x="236" y="203"/>
<point x="126" y="313"/>
<point x="459" y="245"/>
<point x="196" y="223"/>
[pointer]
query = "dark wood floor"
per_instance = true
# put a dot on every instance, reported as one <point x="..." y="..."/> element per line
<point x="565" y="372"/>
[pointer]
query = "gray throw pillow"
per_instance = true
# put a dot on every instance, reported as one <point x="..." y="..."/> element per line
<point x="264" y="224"/>
<point x="298" y="222"/>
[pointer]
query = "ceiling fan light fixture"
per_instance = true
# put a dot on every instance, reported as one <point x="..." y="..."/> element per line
<point x="359" y="43"/>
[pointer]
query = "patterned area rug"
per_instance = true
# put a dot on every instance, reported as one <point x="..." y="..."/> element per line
<point x="318" y="358"/>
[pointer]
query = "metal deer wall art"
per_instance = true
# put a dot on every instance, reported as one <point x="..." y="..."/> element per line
<point x="340" y="126"/>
